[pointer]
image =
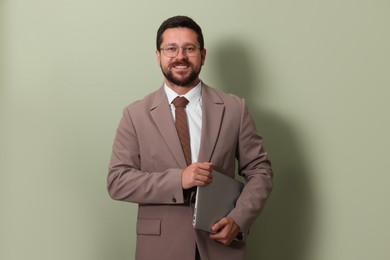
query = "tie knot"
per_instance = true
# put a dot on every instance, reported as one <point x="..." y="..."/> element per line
<point x="180" y="102"/>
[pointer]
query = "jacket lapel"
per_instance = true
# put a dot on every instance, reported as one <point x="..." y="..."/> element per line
<point x="163" y="119"/>
<point x="212" y="114"/>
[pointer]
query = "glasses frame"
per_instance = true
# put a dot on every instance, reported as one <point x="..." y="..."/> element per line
<point x="185" y="48"/>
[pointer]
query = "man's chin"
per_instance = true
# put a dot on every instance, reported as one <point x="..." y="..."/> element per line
<point x="185" y="80"/>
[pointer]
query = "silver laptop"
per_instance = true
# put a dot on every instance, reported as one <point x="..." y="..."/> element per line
<point x="215" y="201"/>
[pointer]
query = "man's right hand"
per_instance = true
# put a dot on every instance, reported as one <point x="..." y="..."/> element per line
<point x="197" y="174"/>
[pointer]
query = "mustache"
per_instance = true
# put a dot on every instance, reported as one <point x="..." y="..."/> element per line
<point x="181" y="63"/>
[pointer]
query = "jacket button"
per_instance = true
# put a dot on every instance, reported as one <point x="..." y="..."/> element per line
<point x="174" y="200"/>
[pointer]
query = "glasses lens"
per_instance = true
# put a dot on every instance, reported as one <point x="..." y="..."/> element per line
<point x="172" y="51"/>
<point x="191" y="50"/>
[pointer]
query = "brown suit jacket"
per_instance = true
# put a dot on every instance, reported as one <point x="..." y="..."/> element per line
<point x="147" y="162"/>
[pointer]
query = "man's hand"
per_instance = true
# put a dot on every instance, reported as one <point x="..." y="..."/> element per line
<point x="226" y="231"/>
<point x="197" y="174"/>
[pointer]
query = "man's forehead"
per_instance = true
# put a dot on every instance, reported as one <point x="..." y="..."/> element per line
<point x="179" y="33"/>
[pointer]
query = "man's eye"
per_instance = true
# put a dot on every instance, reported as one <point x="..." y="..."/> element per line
<point x="190" y="49"/>
<point x="171" y="49"/>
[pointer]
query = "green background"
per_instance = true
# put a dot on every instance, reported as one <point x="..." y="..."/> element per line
<point x="314" y="73"/>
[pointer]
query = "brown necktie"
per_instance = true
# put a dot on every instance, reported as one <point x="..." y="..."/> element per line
<point x="182" y="126"/>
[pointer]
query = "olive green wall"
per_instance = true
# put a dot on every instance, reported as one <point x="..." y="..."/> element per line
<point x="315" y="75"/>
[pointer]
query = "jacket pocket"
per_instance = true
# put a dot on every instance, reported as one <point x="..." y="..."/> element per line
<point x="149" y="227"/>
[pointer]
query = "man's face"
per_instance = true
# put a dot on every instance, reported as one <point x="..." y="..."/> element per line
<point x="181" y="70"/>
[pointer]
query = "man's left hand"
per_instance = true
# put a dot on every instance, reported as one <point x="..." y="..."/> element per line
<point x="226" y="231"/>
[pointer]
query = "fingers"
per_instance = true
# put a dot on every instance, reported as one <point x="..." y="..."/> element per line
<point x="197" y="174"/>
<point x="226" y="231"/>
<point x="217" y="227"/>
<point x="204" y="166"/>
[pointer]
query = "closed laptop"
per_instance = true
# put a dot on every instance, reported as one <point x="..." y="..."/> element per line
<point x="215" y="201"/>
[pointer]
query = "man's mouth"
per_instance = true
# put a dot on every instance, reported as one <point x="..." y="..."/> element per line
<point x="181" y="66"/>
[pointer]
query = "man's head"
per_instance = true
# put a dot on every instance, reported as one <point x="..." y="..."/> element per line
<point x="180" y="52"/>
<point x="176" y="22"/>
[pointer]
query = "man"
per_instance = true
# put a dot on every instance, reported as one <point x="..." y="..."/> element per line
<point x="152" y="164"/>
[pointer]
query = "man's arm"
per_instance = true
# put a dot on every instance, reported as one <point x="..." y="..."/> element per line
<point x="255" y="167"/>
<point x="127" y="182"/>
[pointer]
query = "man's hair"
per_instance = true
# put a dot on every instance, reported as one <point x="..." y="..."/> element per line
<point x="179" y="21"/>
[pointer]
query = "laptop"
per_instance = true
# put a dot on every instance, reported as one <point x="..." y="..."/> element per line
<point x="215" y="201"/>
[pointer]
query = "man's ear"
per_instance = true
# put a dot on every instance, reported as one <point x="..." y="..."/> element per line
<point x="158" y="57"/>
<point x="203" y="56"/>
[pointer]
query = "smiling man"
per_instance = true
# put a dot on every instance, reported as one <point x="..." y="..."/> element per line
<point x="168" y="143"/>
<point x="180" y="58"/>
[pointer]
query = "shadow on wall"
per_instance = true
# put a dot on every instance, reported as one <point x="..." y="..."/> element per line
<point x="284" y="230"/>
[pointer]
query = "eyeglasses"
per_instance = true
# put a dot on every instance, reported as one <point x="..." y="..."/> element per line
<point x="171" y="51"/>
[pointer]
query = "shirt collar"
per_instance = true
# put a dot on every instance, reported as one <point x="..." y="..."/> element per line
<point x="193" y="96"/>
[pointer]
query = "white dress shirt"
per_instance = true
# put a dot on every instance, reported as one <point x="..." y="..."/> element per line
<point x="194" y="115"/>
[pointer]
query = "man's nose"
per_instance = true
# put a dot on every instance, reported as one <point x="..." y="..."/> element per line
<point x="182" y="54"/>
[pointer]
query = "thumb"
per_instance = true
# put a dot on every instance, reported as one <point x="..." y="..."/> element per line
<point x="217" y="226"/>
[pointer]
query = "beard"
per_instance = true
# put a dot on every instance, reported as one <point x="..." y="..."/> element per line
<point x="181" y="80"/>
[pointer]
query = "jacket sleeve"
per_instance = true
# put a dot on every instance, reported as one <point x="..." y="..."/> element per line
<point x="127" y="182"/>
<point x="255" y="167"/>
